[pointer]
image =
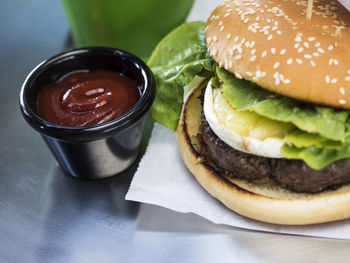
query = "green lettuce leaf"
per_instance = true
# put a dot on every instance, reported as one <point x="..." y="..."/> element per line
<point x="244" y="95"/>
<point x="301" y="139"/>
<point x="315" y="157"/>
<point x="177" y="59"/>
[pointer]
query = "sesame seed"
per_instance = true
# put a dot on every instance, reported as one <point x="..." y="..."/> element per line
<point x="301" y="49"/>
<point x="252" y="44"/>
<point x="238" y="57"/>
<point x="286" y="81"/>
<point x="318" y="44"/>
<point x="341" y="101"/>
<point x="221" y="28"/>
<point x="220" y="23"/>
<point x="273" y="50"/>
<point x="283" y="51"/>
<point x="311" y="39"/>
<point x="249" y="73"/>
<point x="227" y="14"/>
<point x="347" y="78"/>
<point x="299" y="61"/>
<point x="306" y="45"/>
<point x="253" y="51"/>
<point x="220" y="64"/>
<point x="236" y="39"/>
<point x="327" y="79"/>
<point x="315" y="54"/>
<point x="296" y="45"/>
<point x="297" y="38"/>
<point x="276" y="65"/>
<point x="215" y="38"/>
<point x="237" y="75"/>
<point x="336" y="62"/>
<point x="342" y="91"/>
<point x="247" y="44"/>
<point x="278" y="32"/>
<point x="269" y="37"/>
<point x="228" y="36"/>
<point x="289" y="61"/>
<point x="263" y="54"/>
<point x="334" y="80"/>
<point x="252" y="59"/>
<point x="231" y="52"/>
<point x="246" y="20"/>
<point x="230" y="64"/>
<point x="313" y="64"/>
<point x="330" y="47"/>
<point x="307" y="56"/>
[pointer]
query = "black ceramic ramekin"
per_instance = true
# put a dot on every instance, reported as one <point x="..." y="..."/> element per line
<point x="101" y="150"/>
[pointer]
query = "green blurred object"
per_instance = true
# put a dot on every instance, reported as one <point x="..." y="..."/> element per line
<point x="132" y="25"/>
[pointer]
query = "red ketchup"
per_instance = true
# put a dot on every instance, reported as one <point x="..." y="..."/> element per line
<point x="87" y="98"/>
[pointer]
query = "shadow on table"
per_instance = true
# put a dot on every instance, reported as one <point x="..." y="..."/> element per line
<point x="227" y="242"/>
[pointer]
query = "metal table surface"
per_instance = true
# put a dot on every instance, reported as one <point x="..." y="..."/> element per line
<point x="47" y="216"/>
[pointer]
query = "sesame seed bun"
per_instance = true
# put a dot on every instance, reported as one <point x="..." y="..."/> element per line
<point x="266" y="201"/>
<point x="272" y="44"/>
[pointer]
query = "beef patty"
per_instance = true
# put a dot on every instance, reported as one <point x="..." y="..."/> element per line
<point x="293" y="174"/>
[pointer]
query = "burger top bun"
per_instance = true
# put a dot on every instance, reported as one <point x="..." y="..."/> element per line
<point x="264" y="201"/>
<point x="272" y="44"/>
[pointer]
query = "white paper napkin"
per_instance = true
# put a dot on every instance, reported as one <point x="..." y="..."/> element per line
<point x="162" y="179"/>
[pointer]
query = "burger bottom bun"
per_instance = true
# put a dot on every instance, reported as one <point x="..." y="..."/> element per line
<point x="263" y="201"/>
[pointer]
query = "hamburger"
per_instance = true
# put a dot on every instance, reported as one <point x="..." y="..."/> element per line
<point x="259" y="98"/>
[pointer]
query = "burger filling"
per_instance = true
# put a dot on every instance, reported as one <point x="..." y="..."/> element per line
<point x="292" y="174"/>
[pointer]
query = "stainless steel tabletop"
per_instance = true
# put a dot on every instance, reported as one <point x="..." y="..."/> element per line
<point x="47" y="216"/>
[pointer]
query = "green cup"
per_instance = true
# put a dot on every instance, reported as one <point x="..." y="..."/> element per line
<point x="132" y="25"/>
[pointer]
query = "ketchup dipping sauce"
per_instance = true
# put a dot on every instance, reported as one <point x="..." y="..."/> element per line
<point x="87" y="98"/>
<point x="90" y="106"/>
